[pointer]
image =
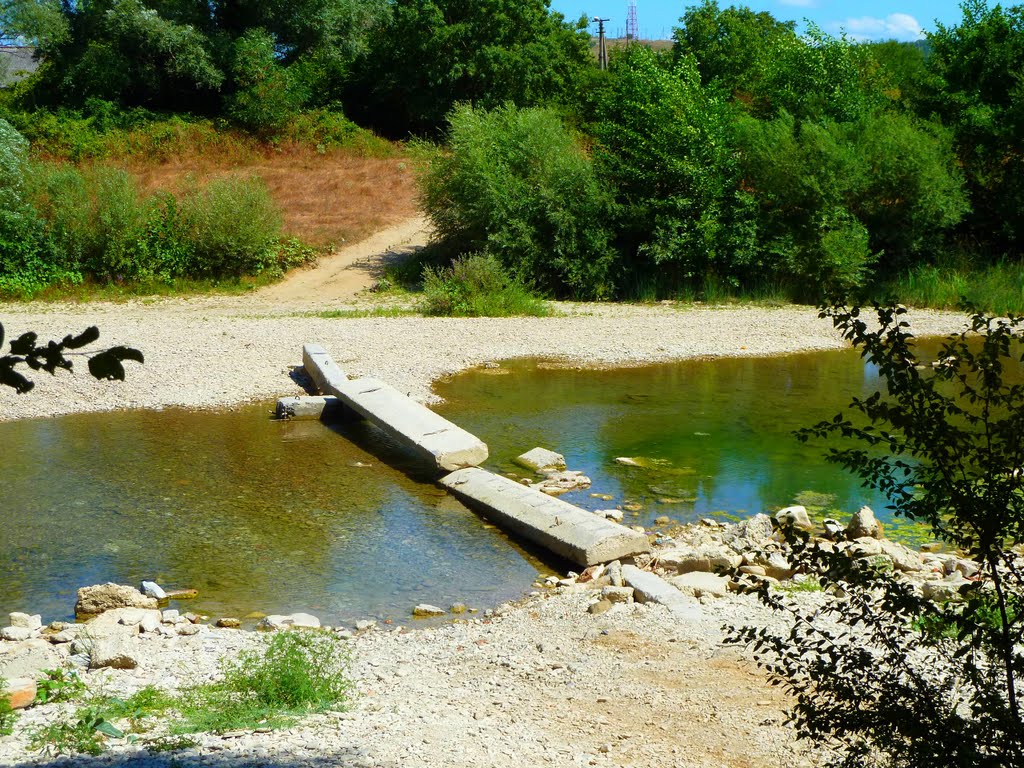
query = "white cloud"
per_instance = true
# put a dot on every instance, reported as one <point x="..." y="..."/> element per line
<point x="896" y="26"/>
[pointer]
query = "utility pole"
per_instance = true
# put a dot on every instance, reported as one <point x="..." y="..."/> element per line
<point x="602" y="48"/>
<point x="632" y="25"/>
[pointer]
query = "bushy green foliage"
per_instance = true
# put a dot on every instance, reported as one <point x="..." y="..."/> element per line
<point x="434" y="54"/>
<point x="292" y="673"/>
<point x="841" y="202"/>
<point x="58" y="685"/>
<point x="665" y="146"/>
<point x="265" y="99"/>
<point x="515" y="184"/>
<point x="976" y="89"/>
<point x="232" y="227"/>
<point x="477" y="286"/>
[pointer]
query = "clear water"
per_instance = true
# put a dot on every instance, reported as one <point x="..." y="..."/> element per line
<point x="274" y="517"/>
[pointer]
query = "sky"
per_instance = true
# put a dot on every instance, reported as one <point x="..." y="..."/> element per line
<point x="864" y="20"/>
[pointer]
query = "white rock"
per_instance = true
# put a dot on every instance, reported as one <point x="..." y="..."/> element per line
<point x="25" y="621"/>
<point x="699" y="584"/>
<point x="150" y="622"/>
<point x="305" y="621"/>
<point x="617" y="594"/>
<point x="113" y="651"/>
<point x="154" y="590"/>
<point x="540" y="459"/>
<point x="610" y="514"/>
<point x="171" y="616"/>
<point x="863" y="523"/>
<point x="365" y="624"/>
<point x="796" y="516"/>
<point x="15" y="634"/>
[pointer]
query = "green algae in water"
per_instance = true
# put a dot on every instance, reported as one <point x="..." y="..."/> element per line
<point x="713" y="436"/>
<point x="257" y="515"/>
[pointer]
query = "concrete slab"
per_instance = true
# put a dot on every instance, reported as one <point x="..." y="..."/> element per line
<point x="569" y="531"/>
<point x="651" y="588"/>
<point x="319" y="407"/>
<point x="414" y="425"/>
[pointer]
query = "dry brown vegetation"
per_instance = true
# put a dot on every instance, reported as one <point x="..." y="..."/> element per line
<point x="326" y="198"/>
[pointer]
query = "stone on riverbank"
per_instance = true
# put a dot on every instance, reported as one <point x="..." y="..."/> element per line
<point x="863" y="523"/>
<point x="540" y="460"/>
<point x="795" y="516"/>
<point x="425" y="609"/>
<point x="651" y="588"/>
<point x="20" y="692"/>
<point x="291" y="621"/>
<point x="100" y="598"/>
<point x="699" y="584"/>
<point x="114" y="652"/>
<point x="154" y="590"/>
<point x="24" y="621"/>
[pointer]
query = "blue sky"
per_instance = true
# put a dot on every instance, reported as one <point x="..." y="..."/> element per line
<point x="865" y="20"/>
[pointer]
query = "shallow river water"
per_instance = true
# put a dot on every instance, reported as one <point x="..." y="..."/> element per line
<point x="268" y="516"/>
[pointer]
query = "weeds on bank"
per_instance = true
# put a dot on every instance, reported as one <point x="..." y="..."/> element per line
<point x="294" y="673"/>
<point x="477" y="286"/>
<point x="7" y="715"/>
<point x="288" y="675"/>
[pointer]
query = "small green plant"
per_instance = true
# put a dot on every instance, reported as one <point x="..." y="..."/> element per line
<point x="7" y="714"/>
<point x="477" y="286"/>
<point x="85" y="734"/>
<point x="59" y="685"/>
<point x="293" y="673"/>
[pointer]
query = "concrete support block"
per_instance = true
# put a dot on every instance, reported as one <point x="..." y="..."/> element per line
<point x="569" y="531"/>
<point x="651" y="588"/>
<point x="319" y="407"/>
<point x="433" y="437"/>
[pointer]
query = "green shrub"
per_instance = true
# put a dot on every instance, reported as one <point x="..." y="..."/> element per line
<point x="232" y="227"/>
<point x="477" y="286"/>
<point x="292" y="673"/>
<point x="515" y="184"/>
<point x="263" y="101"/>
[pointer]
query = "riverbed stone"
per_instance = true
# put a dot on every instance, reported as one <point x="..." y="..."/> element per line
<point x="150" y="622"/>
<point x="540" y="460"/>
<point x="154" y="590"/>
<point x="651" y="588"/>
<point x="25" y="621"/>
<point x="617" y="594"/>
<point x="615" y="515"/>
<point x="863" y="523"/>
<point x="291" y="621"/>
<point x="752" y="533"/>
<point x="15" y="634"/>
<point x="795" y="516"/>
<point x="20" y="692"/>
<point x="229" y="622"/>
<point x="425" y="609"/>
<point x="100" y="598"/>
<point x="171" y="616"/>
<point x="114" y="652"/>
<point x="699" y="584"/>
<point x="709" y="559"/>
<point x="903" y="559"/>
<point x="599" y="607"/>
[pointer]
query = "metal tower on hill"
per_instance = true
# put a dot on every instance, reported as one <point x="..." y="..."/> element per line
<point x="632" y="26"/>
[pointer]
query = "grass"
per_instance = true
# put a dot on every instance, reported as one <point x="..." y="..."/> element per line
<point x="997" y="288"/>
<point x="290" y="674"/>
<point x="7" y="715"/>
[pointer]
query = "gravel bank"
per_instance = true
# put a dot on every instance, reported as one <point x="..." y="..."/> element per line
<point x="542" y="684"/>
<point x="217" y="352"/>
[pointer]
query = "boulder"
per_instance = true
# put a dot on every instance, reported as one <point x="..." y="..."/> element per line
<point x="863" y="523"/>
<point x="699" y="584"/>
<point x="795" y="516"/>
<point x="752" y="533"/>
<point x="29" y="659"/>
<point x="20" y="692"/>
<point x="614" y="515"/>
<point x="114" y="652"/>
<point x="24" y="621"/>
<point x="601" y="606"/>
<point x="776" y="566"/>
<point x="615" y="573"/>
<point x="16" y="634"/>
<point x="228" y="622"/>
<point x="100" y="598"/>
<point x="832" y="528"/>
<point x="903" y="559"/>
<point x="540" y="460"/>
<point x="707" y="559"/>
<point x="557" y="483"/>
<point x="121" y="621"/>
<point x="945" y="591"/>
<point x="150" y="622"/>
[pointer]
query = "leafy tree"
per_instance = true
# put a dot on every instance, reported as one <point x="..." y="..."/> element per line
<point x="516" y="185"/>
<point x="841" y="202"/>
<point x="730" y="46"/>
<point x="977" y="90"/>
<point x="54" y="356"/>
<point x="664" y="143"/>
<point x="883" y="676"/>
<point x="434" y="54"/>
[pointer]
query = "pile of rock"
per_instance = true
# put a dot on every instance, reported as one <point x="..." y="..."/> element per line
<point x="707" y="560"/>
<point x="551" y="466"/>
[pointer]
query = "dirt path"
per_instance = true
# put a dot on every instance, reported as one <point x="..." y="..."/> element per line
<point x="351" y="269"/>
